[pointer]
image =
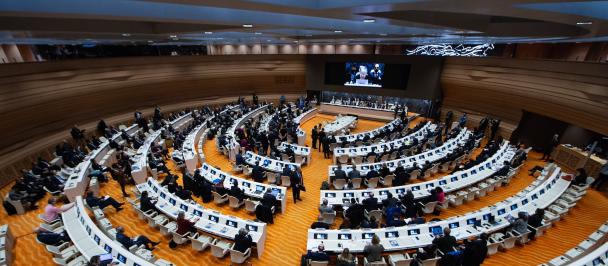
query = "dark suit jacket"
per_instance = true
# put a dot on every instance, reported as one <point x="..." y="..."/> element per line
<point x="242" y="243"/>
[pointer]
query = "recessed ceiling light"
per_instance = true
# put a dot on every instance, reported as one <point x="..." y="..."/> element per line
<point x="247" y="26"/>
<point x="295" y="41"/>
<point x="126" y="34"/>
<point x="208" y="32"/>
<point x="267" y="40"/>
<point x="172" y="36"/>
<point x="150" y="41"/>
<point x="383" y="34"/>
<point x="337" y="31"/>
<point x="257" y="33"/>
<point x="584" y="23"/>
<point x="369" y="20"/>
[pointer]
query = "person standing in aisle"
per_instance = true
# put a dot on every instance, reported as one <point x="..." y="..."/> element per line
<point x="315" y="137"/>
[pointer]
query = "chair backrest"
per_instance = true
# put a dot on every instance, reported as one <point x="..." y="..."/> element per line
<point x="217" y="196"/>
<point x="339" y="183"/>
<point x="371" y="159"/>
<point x="285" y="181"/>
<point x="250" y="205"/>
<point x="430" y="262"/>
<point x="377" y="214"/>
<point x="358" y="160"/>
<point x="414" y="174"/>
<point x="318" y="263"/>
<point x="343" y="158"/>
<point x="329" y="218"/>
<point x="388" y="180"/>
<point x="430" y="206"/>
<point x="372" y="182"/>
<point x="233" y="201"/>
<point x="299" y="159"/>
<point x="284" y="157"/>
<point x="271" y="177"/>
<point x="356" y="182"/>
<point x="239" y="257"/>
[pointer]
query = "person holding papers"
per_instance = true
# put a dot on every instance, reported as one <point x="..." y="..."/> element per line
<point x="127" y="242"/>
<point x="106" y="201"/>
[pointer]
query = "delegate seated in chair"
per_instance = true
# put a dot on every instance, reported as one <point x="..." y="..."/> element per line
<point x="146" y="203"/>
<point x="51" y="238"/>
<point x="475" y="251"/>
<point x="101" y="203"/>
<point x="237" y="192"/>
<point x="127" y="242"/>
<point x="318" y="255"/>
<point x="242" y="241"/>
<point x="184" y="225"/>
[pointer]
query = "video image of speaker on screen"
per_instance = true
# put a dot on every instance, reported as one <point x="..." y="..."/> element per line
<point x="364" y="74"/>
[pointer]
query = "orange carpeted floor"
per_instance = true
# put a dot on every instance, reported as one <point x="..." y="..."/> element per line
<point x="286" y="240"/>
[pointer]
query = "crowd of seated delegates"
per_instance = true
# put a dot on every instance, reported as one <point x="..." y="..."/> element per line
<point x="281" y="128"/>
<point x="402" y="174"/>
<point x="399" y="211"/>
<point x="384" y="132"/>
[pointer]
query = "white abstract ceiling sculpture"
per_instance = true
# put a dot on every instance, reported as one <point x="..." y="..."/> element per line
<point x="451" y="50"/>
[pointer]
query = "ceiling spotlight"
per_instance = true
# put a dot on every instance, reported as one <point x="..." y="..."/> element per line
<point x="337" y="31"/>
<point x="584" y="23"/>
<point x="383" y="34"/>
<point x="126" y="34"/>
<point x="150" y="41"/>
<point x="172" y="36"/>
<point x="257" y="33"/>
<point x="295" y="41"/>
<point x="208" y="32"/>
<point x="247" y="26"/>
<point x="369" y="20"/>
<point x="267" y="40"/>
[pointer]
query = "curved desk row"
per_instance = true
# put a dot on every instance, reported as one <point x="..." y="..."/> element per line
<point x="463" y="227"/>
<point x="189" y="146"/>
<point x="267" y="163"/>
<point x="449" y="183"/>
<point x="430" y="155"/>
<point x="370" y="134"/>
<point x="79" y="179"/>
<point x="211" y="222"/>
<point x="89" y="240"/>
<point x="385" y="146"/>
<point x="339" y="125"/>
<point x="301" y="119"/>
<point x="233" y="146"/>
<point x="251" y="188"/>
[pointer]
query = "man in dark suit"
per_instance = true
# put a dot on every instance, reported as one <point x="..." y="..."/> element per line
<point x="371" y="202"/>
<point x="475" y="251"/>
<point x="296" y="185"/>
<point x="504" y="170"/>
<point x="321" y="138"/>
<point x="268" y="199"/>
<point x="446" y="242"/>
<point x="242" y="241"/>
<point x="319" y="255"/>
<point x="257" y="173"/>
<point x="315" y="137"/>
<point x="339" y="173"/>
<point x="355" y="213"/>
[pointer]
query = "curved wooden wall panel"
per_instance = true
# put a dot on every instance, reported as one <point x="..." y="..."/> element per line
<point x="574" y="92"/>
<point x="43" y="99"/>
